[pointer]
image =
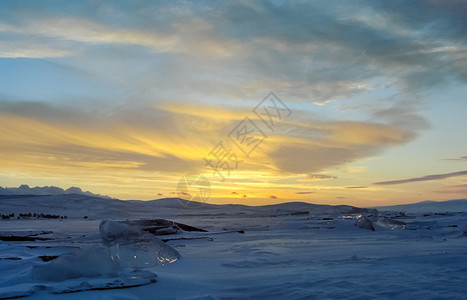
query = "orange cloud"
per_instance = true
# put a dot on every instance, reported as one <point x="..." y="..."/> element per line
<point x="147" y="155"/>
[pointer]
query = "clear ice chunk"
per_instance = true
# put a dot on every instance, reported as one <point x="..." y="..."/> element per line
<point x="132" y="248"/>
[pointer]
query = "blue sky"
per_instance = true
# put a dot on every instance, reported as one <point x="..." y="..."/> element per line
<point x="124" y="98"/>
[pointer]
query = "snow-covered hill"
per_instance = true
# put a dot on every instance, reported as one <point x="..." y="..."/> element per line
<point x="79" y="206"/>
<point x="56" y="201"/>
<point x="459" y="205"/>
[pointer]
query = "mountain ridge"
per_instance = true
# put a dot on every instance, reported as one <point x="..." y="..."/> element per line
<point x="26" y="190"/>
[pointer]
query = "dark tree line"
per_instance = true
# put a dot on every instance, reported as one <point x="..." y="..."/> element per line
<point x="33" y="215"/>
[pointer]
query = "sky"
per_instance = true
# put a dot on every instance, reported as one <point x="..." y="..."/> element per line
<point x="331" y="102"/>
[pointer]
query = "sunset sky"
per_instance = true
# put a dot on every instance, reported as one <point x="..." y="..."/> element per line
<point x="123" y="98"/>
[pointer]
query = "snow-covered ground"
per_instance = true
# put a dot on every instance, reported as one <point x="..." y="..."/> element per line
<point x="287" y="251"/>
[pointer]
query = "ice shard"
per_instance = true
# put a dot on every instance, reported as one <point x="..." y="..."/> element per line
<point x="134" y="248"/>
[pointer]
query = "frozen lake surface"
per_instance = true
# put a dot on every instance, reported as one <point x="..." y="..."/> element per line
<point x="294" y="251"/>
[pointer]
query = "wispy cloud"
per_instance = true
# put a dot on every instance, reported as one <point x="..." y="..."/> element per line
<point x="24" y="48"/>
<point x="463" y="158"/>
<point x="424" y="178"/>
<point x="294" y="54"/>
<point x="86" y="31"/>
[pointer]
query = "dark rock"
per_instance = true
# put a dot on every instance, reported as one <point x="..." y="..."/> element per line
<point x="46" y="258"/>
<point x="299" y="213"/>
<point x="23" y="236"/>
<point x="185" y="227"/>
<point x="162" y="230"/>
<point x="162" y="226"/>
<point x="190" y="238"/>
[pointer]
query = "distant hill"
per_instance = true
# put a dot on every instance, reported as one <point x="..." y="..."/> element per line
<point x="73" y="202"/>
<point x="459" y="205"/>
<point x="80" y="205"/>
